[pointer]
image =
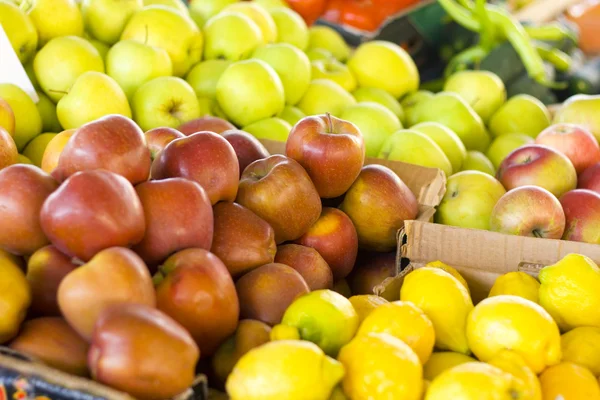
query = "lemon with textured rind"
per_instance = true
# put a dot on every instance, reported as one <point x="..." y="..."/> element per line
<point x="514" y="364"/>
<point x="285" y="369"/>
<point x="582" y="346"/>
<point x="380" y="367"/>
<point x="364" y="304"/>
<point x="445" y="301"/>
<point x="568" y="381"/>
<point x="440" y="362"/>
<point x="518" y="284"/>
<point x="451" y="270"/>
<point x="570" y="291"/>
<point x="405" y="321"/>
<point x="514" y="323"/>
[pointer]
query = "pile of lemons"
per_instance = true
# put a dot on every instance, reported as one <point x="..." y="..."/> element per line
<point x="434" y="343"/>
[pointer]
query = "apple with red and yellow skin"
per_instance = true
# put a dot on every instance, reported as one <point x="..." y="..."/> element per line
<point x="247" y="148"/>
<point x="590" y="178"/>
<point x="331" y="150"/>
<point x="114" y="143"/>
<point x="23" y="191"/>
<point x="54" y="149"/>
<point x="528" y="211"/>
<point x="195" y="289"/>
<point x="158" y="138"/>
<point x="46" y="268"/>
<point x="574" y="141"/>
<point x="370" y="270"/>
<point x="203" y="157"/>
<point x="8" y="149"/>
<point x="53" y="341"/>
<point x="142" y="351"/>
<point x="114" y="276"/>
<point x="279" y="190"/>
<point x="538" y="165"/>
<point x="7" y="117"/>
<point x="308" y="262"/>
<point x="582" y="213"/>
<point x="206" y="123"/>
<point x="242" y="240"/>
<point x="336" y="240"/>
<point x="378" y="203"/>
<point x="92" y="211"/>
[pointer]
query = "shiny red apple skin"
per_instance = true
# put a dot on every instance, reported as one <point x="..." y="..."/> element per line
<point x="142" y="351"/>
<point x="336" y="240"/>
<point x="178" y="216"/>
<point x="206" y="123"/>
<point x="158" y="138"/>
<point x="279" y="190"/>
<point x="92" y="211"/>
<point x="582" y="212"/>
<point x="198" y="292"/>
<point x="528" y="211"/>
<point x="242" y="240"/>
<point x="538" y="165"/>
<point x="370" y="270"/>
<point x="330" y="149"/>
<point x="247" y="148"/>
<point x="113" y="142"/>
<point x="308" y="262"/>
<point x="23" y="190"/>
<point x="574" y="141"/>
<point x="590" y="178"/>
<point x="204" y="157"/>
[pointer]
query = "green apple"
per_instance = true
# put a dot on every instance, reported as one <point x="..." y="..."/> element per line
<point x="231" y="36"/>
<point x="202" y="10"/>
<point x="326" y="38"/>
<point x="250" y="91"/>
<point x="24" y="160"/>
<point x="106" y="19"/>
<point x="410" y="101"/>
<point x="47" y="111"/>
<point x="270" y="4"/>
<point x="581" y="110"/>
<point x="334" y="71"/>
<point x="28" y="123"/>
<point x="20" y="30"/>
<point x="325" y="96"/>
<point x="162" y="26"/>
<point x="132" y="64"/>
<point x="206" y="106"/>
<point x="93" y="95"/>
<point x="269" y="128"/>
<point x="60" y="62"/>
<point x="448" y="141"/>
<point x="34" y="151"/>
<point x="260" y="16"/>
<point x="101" y="47"/>
<point x="291" y="115"/>
<point x="203" y="77"/>
<point x="382" y="97"/>
<point x="503" y="145"/>
<point x="292" y="66"/>
<point x="54" y="18"/>
<point x="469" y="200"/>
<point x="477" y="161"/>
<point x="178" y="5"/>
<point x="376" y="123"/>
<point x="319" y="54"/>
<point x="520" y="114"/>
<point x="414" y="147"/>
<point x="291" y="27"/>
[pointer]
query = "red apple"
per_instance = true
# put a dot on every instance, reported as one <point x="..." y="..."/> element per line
<point x="247" y="148"/>
<point x="242" y="240"/>
<point x="114" y="143"/>
<point x="538" y="165"/>
<point x="590" y="178"/>
<point x="178" y="216"/>
<point x="92" y="211"/>
<point x="142" y="351"/>
<point x="196" y="290"/>
<point x="372" y="269"/>
<point x="204" y="157"/>
<point x="206" y="123"/>
<point x="308" y="262"/>
<point x="574" y="141"/>
<point x="378" y="203"/>
<point x="335" y="238"/>
<point x="23" y="190"/>
<point x="582" y="212"/>
<point x="528" y="211"/>
<point x="8" y="149"/>
<point x="330" y="149"/>
<point x="158" y="138"/>
<point x="280" y="191"/>
<point x="114" y="276"/>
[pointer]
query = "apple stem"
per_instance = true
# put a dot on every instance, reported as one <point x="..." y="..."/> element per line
<point x="158" y="278"/>
<point x="537" y="233"/>
<point x="58" y="91"/>
<point x="329" y="122"/>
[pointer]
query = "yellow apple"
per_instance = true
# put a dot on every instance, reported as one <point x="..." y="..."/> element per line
<point x="260" y="16"/>
<point x="47" y="110"/>
<point x="334" y="71"/>
<point x="477" y="161"/>
<point x="175" y="4"/>
<point x="326" y="38"/>
<point x="54" y="18"/>
<point x="106" y="19"/>
<point x="270" y="128"/>
<point x="28" y="123"/>
<point x="231" y="36"/>
<point x="20" y="30"/>
<point x="448" y="141"/>
<point x="291" y="28"/>
<point x="325" y="96"/>
<point x="503" y="145"/>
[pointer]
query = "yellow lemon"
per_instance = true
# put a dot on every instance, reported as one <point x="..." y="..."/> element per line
<point x="440" y="362"/>
<point x="285" y="369"/>
<point x="582" y="346"/>
<point x="15" y="297"/>
<point x="514" y="364"/>
<point x="35" y="149"/>
<point x="405" y="321"/>
<point x="380" y="367"/>
<point x="514" y="323"/>
<point x="568" y="381"/>
<point x="364" y="304"/>
<point x="451" y="270"/>
<point x="518" y="284"/>
<point x="570" y="292"/>
<point x="445" y="301"/>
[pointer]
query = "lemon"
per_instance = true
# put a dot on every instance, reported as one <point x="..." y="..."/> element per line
<point x="405" y="321"/>
<point x="570" y="292"/>
<point x="440" y="362"/>
<point x="364" y="304"/>
<point x="451" y="270"/>
<point x="514" y="323"/>
<point x="323" y="317"/>
<point x="514" y="364"/>
<point x="568" y="381"/>
<point x="445" y="301"/>
<point x="15" y="297"/>
<point x="380" y="366"/>
<point x="582" y="346"/>
<point x="285" y="369"/>
<point x="518" y="284"/>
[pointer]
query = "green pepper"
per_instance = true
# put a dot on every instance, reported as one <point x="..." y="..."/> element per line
<point x="551" y="32"/>
<point x="460" y="62"/>
<point x="560" y="60"/>
<point x="461" y="15"/>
